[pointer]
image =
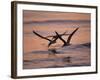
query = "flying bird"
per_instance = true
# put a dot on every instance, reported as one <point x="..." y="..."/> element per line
<point x="66" y="43"/>
<point x="51" y="41"/>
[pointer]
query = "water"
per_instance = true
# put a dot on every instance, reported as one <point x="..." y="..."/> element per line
<point x="79" y="56"/>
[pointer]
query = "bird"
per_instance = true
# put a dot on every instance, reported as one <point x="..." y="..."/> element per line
<point x="51" y="41"/>
<point x="66" y="43"/>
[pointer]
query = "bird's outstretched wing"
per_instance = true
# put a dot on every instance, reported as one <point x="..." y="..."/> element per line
<point x="70" y="36"/>
<point x="41" y="36"/>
